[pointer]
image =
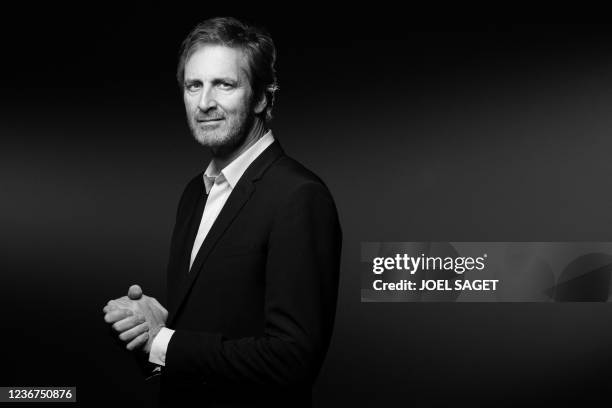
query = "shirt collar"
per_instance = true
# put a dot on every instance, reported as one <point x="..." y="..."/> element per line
<point x="233" y="171"/>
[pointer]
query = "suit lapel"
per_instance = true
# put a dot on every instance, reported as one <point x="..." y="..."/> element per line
<point x="239" y="196"/>
<point x="188" y="235"/>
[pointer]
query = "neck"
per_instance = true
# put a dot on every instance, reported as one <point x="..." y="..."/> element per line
<point x="222" y="159"/>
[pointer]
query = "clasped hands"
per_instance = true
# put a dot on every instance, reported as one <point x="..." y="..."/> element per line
<point x="136" y="317"/>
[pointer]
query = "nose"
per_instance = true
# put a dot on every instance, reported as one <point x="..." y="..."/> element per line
<point x="207" y="99"/>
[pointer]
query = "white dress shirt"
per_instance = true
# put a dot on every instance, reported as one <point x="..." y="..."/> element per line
<point x="218" y="192"/>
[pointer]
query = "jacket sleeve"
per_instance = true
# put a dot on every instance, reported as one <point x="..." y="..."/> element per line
<point x="302" y="269"/>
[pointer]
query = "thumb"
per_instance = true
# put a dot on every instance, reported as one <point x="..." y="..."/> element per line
<point x="135" y="292"/>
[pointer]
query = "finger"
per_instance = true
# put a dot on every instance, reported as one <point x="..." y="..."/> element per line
<point x="108" y="308"/>
<point x="117" y="314"/>
<point x="122" y="301"/>
<point x="128" y="323"/>
<point x="138" y="341"/>
<point x="134" y="332"/>
<point x="135" y="292"/>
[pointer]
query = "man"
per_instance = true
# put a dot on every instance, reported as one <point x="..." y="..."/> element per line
<point x="255" y="253"/>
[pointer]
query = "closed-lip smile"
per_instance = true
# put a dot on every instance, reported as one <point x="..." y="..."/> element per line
<point x="210" y="120"/>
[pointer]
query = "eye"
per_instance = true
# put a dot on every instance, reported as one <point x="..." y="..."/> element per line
<point x="226" y="86"/>
<point x="193" y="86"/>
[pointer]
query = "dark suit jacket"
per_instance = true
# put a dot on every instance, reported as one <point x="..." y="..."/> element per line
<point x="254" y="317"/>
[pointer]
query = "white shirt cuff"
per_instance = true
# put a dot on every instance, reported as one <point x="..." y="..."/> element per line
<point x="157" y="355"/>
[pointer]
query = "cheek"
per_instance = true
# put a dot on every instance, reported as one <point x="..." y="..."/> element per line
<point x="190" y="103"/>
<point x="236" y="103"/>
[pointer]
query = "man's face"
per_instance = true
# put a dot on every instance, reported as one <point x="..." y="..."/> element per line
<point x="218" y="96"/>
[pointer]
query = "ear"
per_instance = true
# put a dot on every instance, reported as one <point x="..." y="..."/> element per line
<point x="260" y="103"/>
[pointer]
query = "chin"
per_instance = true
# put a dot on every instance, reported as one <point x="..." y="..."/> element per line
<point x="210" y="142"/>
<point x="221" y="139"/>
<point x="213" y="141"/>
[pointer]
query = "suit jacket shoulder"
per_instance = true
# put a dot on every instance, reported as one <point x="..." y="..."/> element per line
<point x="287" y="177"/>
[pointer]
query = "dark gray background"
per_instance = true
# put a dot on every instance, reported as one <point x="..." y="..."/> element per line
<point x="423" y="131"/>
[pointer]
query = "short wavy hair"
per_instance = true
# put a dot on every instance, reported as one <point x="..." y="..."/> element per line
<point x="255" y="42"/>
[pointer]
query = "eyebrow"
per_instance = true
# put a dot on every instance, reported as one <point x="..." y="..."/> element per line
<point x="214" y="80"/>
<point x="225" y="79"/>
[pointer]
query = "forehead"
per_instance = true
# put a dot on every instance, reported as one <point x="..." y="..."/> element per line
<point x="214" y="61"/>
